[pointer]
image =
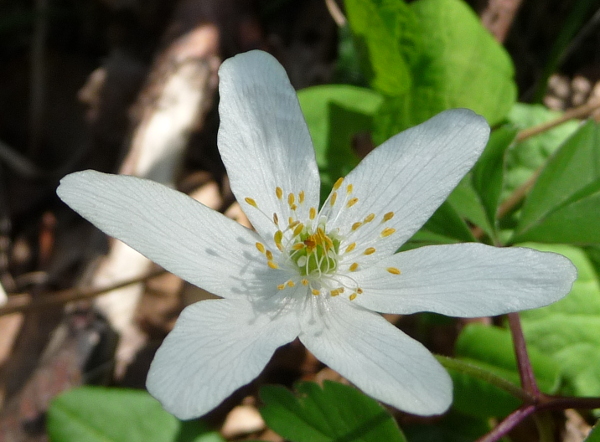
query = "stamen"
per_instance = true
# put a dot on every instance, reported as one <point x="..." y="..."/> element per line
<point x="359" y="291"/>
<point x="353" y="267"/>
<point x="315" y="292"/>
<point x="370" y="251"/>
<point x="350" y="247"/>
<point x="290" y="284"/>
<point x="298" y="246"/>
<point x="349" y="188"/>
<point x="298" y="229"/>
<point x="279" y="192"/>
<point x="291" y="199"/>
<point x="352" y="297"/>
<point x="312" y="213"/>
<point x="370" y="217"/>
<point x="356" y="225"/>
<point x="276" y="219"/>
<point x="338" y="183"/>
<point x="333" y="198"/>
<point x="304" y="282"/>
<point x="387" y="232"/>
<point x="269" y="255"/>
<point x="251" y="202"/>
<point x="260" y="247"/>
<point x="393" y="270"/>
<point x="280" y="286"/>
<point x="352" y="202"/>
<point x="388" y="216"/>
<point x="301" y="196"/>
<point x="272" y="264"/>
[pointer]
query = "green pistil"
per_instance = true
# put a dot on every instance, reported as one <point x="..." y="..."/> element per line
<point x="318" y="254"/>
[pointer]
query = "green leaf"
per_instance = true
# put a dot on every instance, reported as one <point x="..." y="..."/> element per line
<point x="491" y="349"/>
<point x="385" y="33"/>
<point x="594" y="436"/>
<point x="564" y="204"/>
<point x="447" y="59"/>
<point x="487" y="175"/>
<point x="334" y="114"/>
<point x="452" y="427"/>
<point x="117" y="415"/>
<point x="468" y="205"/>
<point x="569" y="330"/>
<point x="526" y="156"/>
<point x="335" y="412"/>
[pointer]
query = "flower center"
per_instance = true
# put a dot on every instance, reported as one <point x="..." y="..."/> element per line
<point x="321" y="259"/>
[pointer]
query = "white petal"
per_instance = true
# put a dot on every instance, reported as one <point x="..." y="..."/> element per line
<point x="466" y="280"/>
<point x="380" y="359"/>
<point x="410" y="175"/>
<point x="185" y="237"/>
<point x="263" y="139"/>
<point x="216" y="347"/>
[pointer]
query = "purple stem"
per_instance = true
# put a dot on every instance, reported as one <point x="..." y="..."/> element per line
<point x="510" y="422"/>
<point x="528" y="381"/>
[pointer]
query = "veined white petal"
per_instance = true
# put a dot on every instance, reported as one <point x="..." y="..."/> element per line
<point x="410" y="175"/>
<point x="263" y="139"/>
<point x="466" y="280"/>
<point x="185" y="237"/>
<point x="216" y="347"/>
<point x="380" y="359"/>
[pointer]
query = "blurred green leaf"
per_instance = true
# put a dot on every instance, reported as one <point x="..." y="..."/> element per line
<point x="334" y="114"/>
<point x="491" y="349"/>
<point x="468" y="205"/>
<point x="594" y="436"/>
<point x="428" y="56"/>
<point x="564" y="204"/>
<point x="100" y="414"/>
<point x="569" y="330"/>
<point x="526" y="156"/>
<point x="335" y="412"/>
<point x="452" y="427"/>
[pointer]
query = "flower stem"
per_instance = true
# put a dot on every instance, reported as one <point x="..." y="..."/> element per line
<point x="528" y="381"/>
<point x="510" y="422"/>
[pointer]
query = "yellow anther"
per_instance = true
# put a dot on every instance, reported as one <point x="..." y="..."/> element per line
<point x="312" y="213"/>
<point x="291" y="199"/>
<point x="333" y="198"/>
<point x="280" y="286"/>
<point x="335" y="292"/>
<point x="275" y="219"/>
<point x="370" y="251"/>
<point x="353" y="267"/>
<point x="260" y="247"/>
<point x="293" y="207"/>
<point x="315" y="292"/>
<point x="338" y="183"/>
<point x="352" y="297"/>
<point x="370" y="217"/>
<point x="301" y="196"/>
<point x="350" y="247"/>
<point x="393" y="270"/>
<point x="341" y="289"/>
<point x="356" y="225"/>
<point x="359" y="291"/>
<point x="298" y="229"/>
<point x="269" y="255"/>
<point x="298" y="246"/>
<point x="388" y="216"/>
<point x="349" y="188"/>
<point x="351" y="202"/>
<point x="290" y="284"/>
<point x="387" y="232"/>
<point x="304" y="282"/>
<point x="251" y="202"/>
<point x="272" y="264"/>
<point x="291" y="222"/>
<point x="278" y="237"/>
<point x="279" y="192"/>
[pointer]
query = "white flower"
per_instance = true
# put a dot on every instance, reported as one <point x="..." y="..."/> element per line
<point x="319" y="275"/>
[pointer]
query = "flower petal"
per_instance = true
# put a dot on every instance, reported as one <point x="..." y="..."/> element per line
<point x="380" y="359"/>
<point x="216" y="347"/>
<point x="410" y="175"/>
<point x="466" y="280"/>
<point x="264" y="140"/>
<point x="185" y="237"/>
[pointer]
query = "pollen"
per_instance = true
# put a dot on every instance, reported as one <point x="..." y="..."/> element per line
<point x="387" y="232"/>
<point x="393" y="270"/>
<point x="388" y="216"/>
<point x="370" y="251"/>
<point x="251" y="202"/>
<point x="279" y="192"/>
<point x="350" y="247"/>
<point x="351" y="202"/>
<point x="353" y="267"/>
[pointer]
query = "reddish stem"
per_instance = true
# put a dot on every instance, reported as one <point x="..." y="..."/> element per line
<point x="528" y="381"/>
<point x="507" y="425"/>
